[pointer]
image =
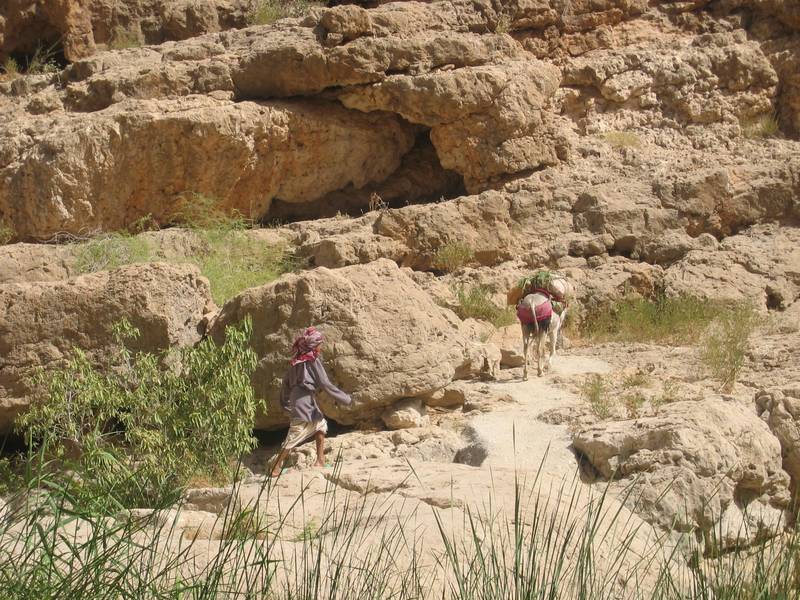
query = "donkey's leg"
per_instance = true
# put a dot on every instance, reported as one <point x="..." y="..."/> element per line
<point x="526" y="336"/>
<point x="555" y="328"/>
<point x="540" y="341"/>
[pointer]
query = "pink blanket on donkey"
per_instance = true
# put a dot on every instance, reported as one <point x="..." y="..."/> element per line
<point x="543" y="311"/>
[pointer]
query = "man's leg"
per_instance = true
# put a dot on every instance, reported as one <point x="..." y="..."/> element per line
<point x="319" y="437"/>
<point x="276" y="468"/>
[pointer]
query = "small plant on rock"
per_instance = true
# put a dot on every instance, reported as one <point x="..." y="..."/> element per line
<point x="595" y="391"/>
<point x="266" y="12"/>
<point x="503" y="24"/>
<point x="452" y="256"/>
<point x="635" y="380"/>
<point x="377" y="203"/>
<point x="727" y="342"/>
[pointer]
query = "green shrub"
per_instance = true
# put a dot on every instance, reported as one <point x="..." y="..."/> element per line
<point x="452" y="256"/>
<point x="727" y="342"/>
<point x="622" y="139"/>
<point x="111" y="251"/>
<point x="150" y="423"/>
<point x="677" y="320"/>
<point x="476" y="302"/>
<point x="595" y="392"/>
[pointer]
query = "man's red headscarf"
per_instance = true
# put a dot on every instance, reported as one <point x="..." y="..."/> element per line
<point x="306" y="346"/>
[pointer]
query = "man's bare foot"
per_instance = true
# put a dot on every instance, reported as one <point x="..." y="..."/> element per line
<point x="319" y="463"/>
<point x="275" y="472"/>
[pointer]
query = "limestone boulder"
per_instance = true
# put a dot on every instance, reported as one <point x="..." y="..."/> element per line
<point x="83" y="171"/>
<point x="780" y="409"/>
<point x="509" y="340"/>
<point x="760" y="265"/>
<point x="693" y="464"/>
<point x="406" y="414"/>
<point x="424" y="444"/>
<point x="387" y="339"/>
<point x="42" y="322"/>
<point x="485" y="121"/>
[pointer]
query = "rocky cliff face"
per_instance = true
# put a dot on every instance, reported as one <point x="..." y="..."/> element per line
<point x="346" y="100"/>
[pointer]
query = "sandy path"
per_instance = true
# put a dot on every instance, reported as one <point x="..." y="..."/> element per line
<point x="514" y="436"/>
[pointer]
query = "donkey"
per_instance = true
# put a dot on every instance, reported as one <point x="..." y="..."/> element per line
<point x="538" y="319"/>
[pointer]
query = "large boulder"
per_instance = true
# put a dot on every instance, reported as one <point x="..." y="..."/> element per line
<point x="88" y="172"/>
<point x="387" y="339"/>
<point x="696" y="465"/>
<point x="40" y="323"/>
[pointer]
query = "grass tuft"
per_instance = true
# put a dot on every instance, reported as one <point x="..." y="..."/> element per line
<point x="476" y="302"/>
<point x="622" y="139"/>
<point x="761" y="126"/>
<point x="452" y="256"/>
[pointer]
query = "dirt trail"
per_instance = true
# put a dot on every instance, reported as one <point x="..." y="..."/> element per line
<point x="514" y="437"/>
